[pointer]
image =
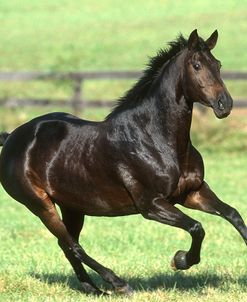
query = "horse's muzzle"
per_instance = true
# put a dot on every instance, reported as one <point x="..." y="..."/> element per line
<point x="223" y="105"/>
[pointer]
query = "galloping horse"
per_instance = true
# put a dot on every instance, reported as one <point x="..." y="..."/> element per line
<point x="139" y="160"/>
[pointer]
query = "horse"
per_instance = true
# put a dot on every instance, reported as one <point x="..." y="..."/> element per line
<point x="138" y="160"/>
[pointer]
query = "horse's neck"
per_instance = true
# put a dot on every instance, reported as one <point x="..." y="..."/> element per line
<point x="173" y="123"/>
<point x="172" y="113"/>
<point x="164" y="116"/>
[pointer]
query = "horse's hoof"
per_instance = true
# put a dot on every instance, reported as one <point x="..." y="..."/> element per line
<point x="91" y="290"/>
<point x="179" y="261"/>
<point x="125" y="290"/>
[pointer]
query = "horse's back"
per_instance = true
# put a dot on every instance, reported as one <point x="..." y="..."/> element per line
<point x="52" y="126"/>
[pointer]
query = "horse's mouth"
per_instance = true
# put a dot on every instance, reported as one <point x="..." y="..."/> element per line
<point x="220" y="110"/>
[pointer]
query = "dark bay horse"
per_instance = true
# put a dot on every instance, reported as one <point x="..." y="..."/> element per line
<point x="139" y="160"/>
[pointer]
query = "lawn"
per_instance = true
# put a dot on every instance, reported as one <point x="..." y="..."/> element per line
<point x="120" y="35"/>
<point x="109" y="35"/>
<point x="34" y="269"/>
<point x="68" y="35"/>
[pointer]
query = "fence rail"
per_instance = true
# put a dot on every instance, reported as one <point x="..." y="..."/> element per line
<point x="77" y="101"/>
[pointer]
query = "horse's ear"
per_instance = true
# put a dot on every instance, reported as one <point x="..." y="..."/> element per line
<point x="211" y="41"/>
<point x="193" y="40"/>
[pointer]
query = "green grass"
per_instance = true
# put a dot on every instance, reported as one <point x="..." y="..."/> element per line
<point x="33" y="268"/>
<point x="109" y="35"/>
<point x="119" y="35"/>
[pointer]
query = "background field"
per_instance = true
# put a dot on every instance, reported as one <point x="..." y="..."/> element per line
<point x="109" y="35"/>
<point x="120" y="35"/>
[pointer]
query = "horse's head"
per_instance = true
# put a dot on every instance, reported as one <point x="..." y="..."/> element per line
<point x="202" y="81"/>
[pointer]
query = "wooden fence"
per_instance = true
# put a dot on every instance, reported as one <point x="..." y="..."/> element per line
<point x="77" y="102"/>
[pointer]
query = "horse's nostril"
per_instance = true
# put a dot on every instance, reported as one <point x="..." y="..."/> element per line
<point x="220" y="105"/>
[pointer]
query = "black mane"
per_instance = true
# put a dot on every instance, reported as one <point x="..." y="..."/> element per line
<point x="141" y="88"/>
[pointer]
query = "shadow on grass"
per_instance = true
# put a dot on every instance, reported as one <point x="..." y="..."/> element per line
<point x="178" y="281"/>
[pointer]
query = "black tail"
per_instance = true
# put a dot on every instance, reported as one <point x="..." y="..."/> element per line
<point x="3" y="137"/>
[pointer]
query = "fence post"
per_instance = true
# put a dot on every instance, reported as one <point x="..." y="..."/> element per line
<point x="77" y="98"/>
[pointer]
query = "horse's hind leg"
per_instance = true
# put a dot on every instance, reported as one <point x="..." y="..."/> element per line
<point x="74" y="222"/>
<point x="205" y="200"/>
<point x="46" y="211"/>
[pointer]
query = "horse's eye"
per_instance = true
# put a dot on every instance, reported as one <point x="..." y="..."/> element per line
<point x="197" y="66"/>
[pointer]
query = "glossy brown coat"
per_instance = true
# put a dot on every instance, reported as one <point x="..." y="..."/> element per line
<point x="139" y="160"/>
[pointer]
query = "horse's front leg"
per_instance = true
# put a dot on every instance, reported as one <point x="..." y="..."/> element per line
<point x="163" y="211"/>
<point x="205" y="200"/>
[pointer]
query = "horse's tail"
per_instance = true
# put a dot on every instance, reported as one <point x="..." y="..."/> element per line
<point x="3" y="137"/>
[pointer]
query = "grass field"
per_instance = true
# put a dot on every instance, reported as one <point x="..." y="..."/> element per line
<point x="110" y="35"/>
<point x="118" y="35"/>
<point x="34" y="269"/>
